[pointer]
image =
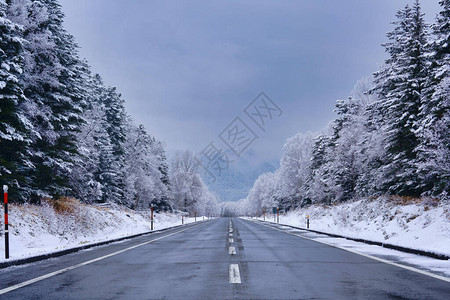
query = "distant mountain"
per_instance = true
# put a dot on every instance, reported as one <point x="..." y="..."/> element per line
<point x="235" y="182"/>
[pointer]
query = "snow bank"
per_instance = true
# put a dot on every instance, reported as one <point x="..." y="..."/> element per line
<point x="55" y="226"/>
<point x="420" y="224"/>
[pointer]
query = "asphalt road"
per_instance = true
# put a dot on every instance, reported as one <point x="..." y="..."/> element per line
<point x="219" y="259"/>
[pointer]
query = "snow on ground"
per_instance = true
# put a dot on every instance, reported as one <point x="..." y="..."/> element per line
<point x="51" y="227"/>
<point x="419" y="224"/>
<point x="436" y="266"/>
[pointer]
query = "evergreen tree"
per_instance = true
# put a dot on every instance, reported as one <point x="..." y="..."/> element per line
<point x="343" y="156"/>
<point x="93" y="141"/>
<point x="141" y="184"/>
<point x="107" y="173"/>
<point x="51" y="81"/>
<point x="165" y="199"/>
<point x="372" y="144"/>
<point x="400" y="86"/>
<point x="113" y="164"/>
<point x="319" y="183"/>
<point x="434" y="151"/>
<point x="13" y="123"/>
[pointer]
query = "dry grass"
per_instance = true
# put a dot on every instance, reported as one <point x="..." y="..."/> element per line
<point x="411" y="218"/>
<point x="64" y="205"/>
<point x="407" y="200"/>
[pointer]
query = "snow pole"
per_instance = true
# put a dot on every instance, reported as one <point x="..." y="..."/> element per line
<point x="182" y="220"/>
<point x="5" y="195"/>
<point x="195" y="216"/>
<point x="307" y="221"/>
<point x="264" y="214"/>
<point x="151" y="217"/>
<point x="278" y="215"/>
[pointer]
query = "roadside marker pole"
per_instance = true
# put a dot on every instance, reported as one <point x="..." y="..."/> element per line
<point x="5" y="195"/>
<point x="307" y="221"/>
<point x="264" y="214"/>
<point x="278" y="215"/>
<point x="182" y="220"/>
<point x="151" y="217"/>
<point x="195" y="216"/>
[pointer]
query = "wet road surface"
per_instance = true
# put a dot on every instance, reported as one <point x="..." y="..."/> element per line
<point x="225" y="258"/>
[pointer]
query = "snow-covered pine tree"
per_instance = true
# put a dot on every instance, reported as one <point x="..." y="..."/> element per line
<point x="93" y="141"/>
<point x="400" y="86"/>
<point x="370" y="147"/>
<point x="319" y="183"/>
<point x="14" y="125"/>
<point x="112" y="166"/>
<point x="165" y="199"/>
<point x="143" y="180"/>
<point x="434" y="151"/>
<point x="352" y="143"/>
<point x="344" y="169"/>
<point x="70" y="97"/>
<point x="51" y="84"/>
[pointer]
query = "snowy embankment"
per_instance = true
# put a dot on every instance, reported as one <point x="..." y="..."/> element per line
<point x="419" y="224"/>
<point x="54" y="226"/>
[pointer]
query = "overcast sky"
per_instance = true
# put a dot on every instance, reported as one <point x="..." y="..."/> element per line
<point x="187" y="68"/>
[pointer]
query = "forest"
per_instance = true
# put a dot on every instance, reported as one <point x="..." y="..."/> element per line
<point x="64" y="133"/>
<point x="391" y="135"/>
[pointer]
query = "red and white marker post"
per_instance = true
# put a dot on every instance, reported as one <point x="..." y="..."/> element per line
<point x="5" y="195"/>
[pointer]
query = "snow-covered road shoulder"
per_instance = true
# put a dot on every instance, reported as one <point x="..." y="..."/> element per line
<point x="37" y="230"/>
<point x="419" y="224"/>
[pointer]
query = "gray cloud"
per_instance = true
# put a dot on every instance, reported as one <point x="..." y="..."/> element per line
<point x="187" y="68"/>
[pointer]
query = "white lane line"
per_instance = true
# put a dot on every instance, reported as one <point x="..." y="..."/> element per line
<point x="230" y="235"/>
<point x="34" y="280"/>
<point x="235" y="276"/>
<point x="367" y="255"/>
<point x="230" y="240"/>
<point x="231" y="230"/>
<point x="232" y="251"/>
